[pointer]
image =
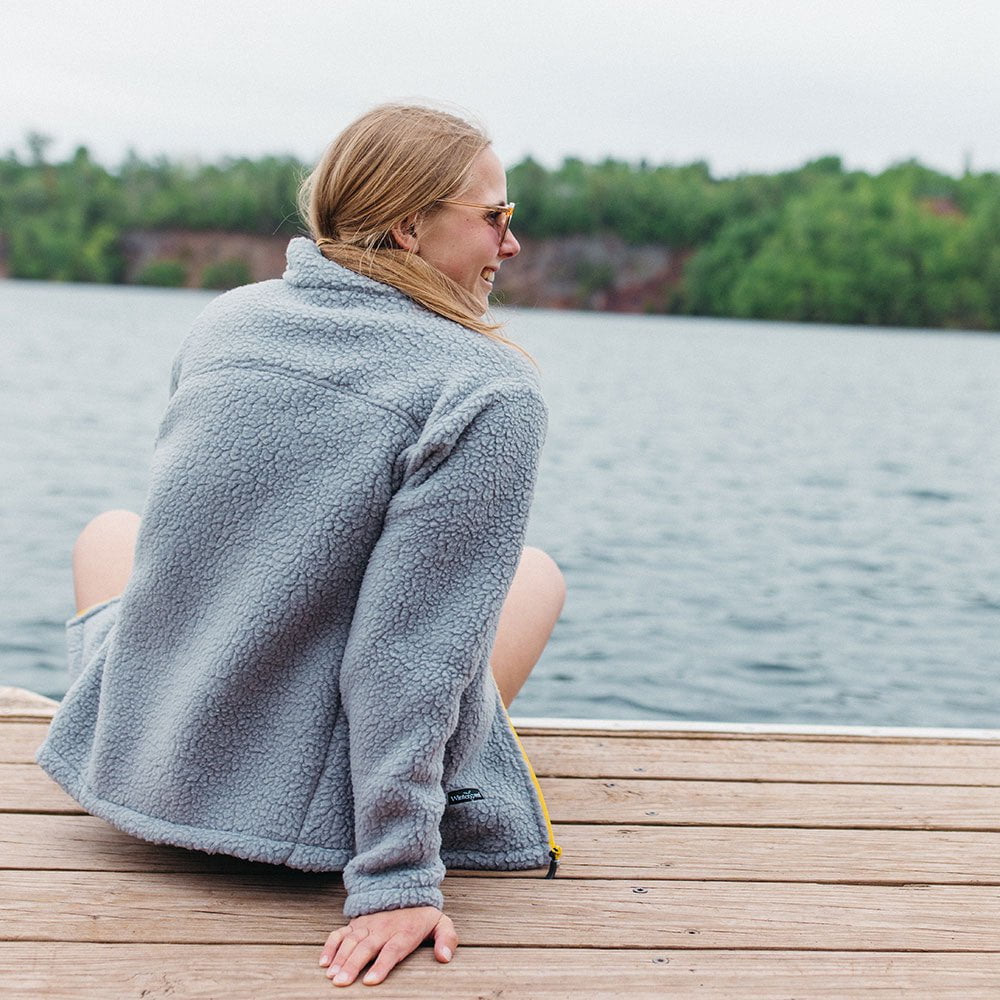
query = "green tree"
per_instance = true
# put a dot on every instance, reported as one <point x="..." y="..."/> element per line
<point x="164" y="273"/>
<point x="226" y="274"/>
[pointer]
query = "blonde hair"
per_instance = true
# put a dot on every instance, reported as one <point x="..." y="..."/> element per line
<point x="395" y="162"/>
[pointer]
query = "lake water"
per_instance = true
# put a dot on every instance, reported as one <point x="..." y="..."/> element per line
<point x="757" y="522"/>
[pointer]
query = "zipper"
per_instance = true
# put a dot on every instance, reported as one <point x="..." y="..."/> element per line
<point x="555" y="851"/>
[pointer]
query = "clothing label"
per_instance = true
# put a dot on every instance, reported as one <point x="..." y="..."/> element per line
<point x="464" y="795"/>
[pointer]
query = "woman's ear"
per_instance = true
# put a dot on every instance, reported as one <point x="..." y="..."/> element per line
<point x="405" y="235"/>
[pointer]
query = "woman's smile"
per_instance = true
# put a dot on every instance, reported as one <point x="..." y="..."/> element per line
<point x="463" y="240"/>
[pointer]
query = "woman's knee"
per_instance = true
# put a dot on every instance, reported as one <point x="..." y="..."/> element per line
<point x="103" y="555"/>
<point x="108" y="528"/>
<point x="541" y="572"/>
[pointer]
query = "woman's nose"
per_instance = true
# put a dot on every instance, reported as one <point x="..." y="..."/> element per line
<point x="510" y="247"/>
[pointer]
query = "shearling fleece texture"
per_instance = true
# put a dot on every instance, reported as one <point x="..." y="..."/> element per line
<point x="298" y="671"/>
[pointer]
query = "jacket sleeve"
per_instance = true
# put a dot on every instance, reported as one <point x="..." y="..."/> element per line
<point x="425" y="622"/>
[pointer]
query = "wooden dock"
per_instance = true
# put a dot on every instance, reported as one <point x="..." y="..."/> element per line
<point x="698" y="862"/>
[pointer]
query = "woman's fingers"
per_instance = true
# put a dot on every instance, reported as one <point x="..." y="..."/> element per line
<point x="445" y="939"/>
<point x="332" y="944"/>
<point x="395" y="950"/>
<point x="388" y="937"/>
<point x="402" y="943"/>
<point x="351" y="946"/>
<point x="361" y="954"/>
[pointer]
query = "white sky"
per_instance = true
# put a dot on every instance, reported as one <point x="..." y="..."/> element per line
<point x="744" y="85"/>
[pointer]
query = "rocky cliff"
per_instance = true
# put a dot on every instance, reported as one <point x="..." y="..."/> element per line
<point x="572" y="272"/>
<point x="196" y="250"/>
<point x="592" y="272"/>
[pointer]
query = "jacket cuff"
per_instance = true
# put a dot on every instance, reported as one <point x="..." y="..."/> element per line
<point x="375" y="900"/>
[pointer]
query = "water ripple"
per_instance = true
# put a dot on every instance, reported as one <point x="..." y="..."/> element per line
<point x="781" y="668"/>
<point x="936" y="495"/>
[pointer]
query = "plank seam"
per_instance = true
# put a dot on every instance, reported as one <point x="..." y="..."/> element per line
<point x="687" y="949"/>
<point x="678" y="825"/>
<point x="15" y="811"/>
<point x="655" y="728"/>
<point x="562" y="877"/>
<point x="471" y="946"/>
<point x="662" y="824"/>
<point x="988" y="739"/>
<point x="763" y="781"/>
<point x="242" y="882"/>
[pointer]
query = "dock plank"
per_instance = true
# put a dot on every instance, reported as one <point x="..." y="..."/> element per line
<point x="764" y="803"/>
<point x="213" y="909"/>
<point x="901" y="857"/>
<point x="283" y="972"/>
<point x="730" y="759"/>
<point x="21" y="740"/>
<point x="16" y="704"/>
<point x="747" y="759"/>
<point x="25" y="788"/>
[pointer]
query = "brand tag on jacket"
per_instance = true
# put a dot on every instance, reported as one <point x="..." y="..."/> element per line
<point x="464" y="795"/>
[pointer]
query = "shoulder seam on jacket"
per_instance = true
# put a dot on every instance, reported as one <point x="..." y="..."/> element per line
<point x="311" y="380"/>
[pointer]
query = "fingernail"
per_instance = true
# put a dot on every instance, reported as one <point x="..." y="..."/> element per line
<point x="341" y="979"/>
<point x="369" y="979"/>
<point x="324" y="959"/>
<point x="446" y="951"/>
<point x="332" y="971"/>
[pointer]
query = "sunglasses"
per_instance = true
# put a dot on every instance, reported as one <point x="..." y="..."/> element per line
<point x="498" y="216"/>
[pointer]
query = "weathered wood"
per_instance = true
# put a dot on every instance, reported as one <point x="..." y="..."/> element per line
<point x="744" y="864"/>
<point x="20" y="740"/>
<point x="896" y="807"/>
<point x="32" y="841"/>
<point x="27" y="788"/>
<point x="282" y="972"/>
<point x="781" y="855"/>
<point x="902" y="857"/>
<point x="803" y="761"/>
<point x="182" y="907"/>
<point x="19" y="704"/>
<point x="682" y="729"/>
<point x="778" y="760"/>
<point x="24" y="788"/>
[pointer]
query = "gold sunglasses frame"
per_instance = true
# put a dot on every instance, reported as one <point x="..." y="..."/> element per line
<point x="507" y="210"/>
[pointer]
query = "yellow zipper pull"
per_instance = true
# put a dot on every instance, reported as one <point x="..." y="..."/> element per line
<point x="555" y="854"/>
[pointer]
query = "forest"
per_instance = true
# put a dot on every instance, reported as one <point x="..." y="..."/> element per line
<point x="905" y="247"/>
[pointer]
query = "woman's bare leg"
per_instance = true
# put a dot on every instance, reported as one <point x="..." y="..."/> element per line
<point x="529" y="614"/>
<point x="102" y="557"/>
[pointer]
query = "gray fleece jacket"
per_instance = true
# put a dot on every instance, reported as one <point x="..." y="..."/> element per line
<point x="298" y="671"/>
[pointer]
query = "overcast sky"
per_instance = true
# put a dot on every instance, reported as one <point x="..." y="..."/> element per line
<point x="744" y="85"/>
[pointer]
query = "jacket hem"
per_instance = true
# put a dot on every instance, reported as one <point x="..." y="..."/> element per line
<point x="81" y="616"/>
<point x="308" y="857"/>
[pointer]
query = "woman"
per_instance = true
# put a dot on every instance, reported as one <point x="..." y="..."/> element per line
<point x="289" y="658"/>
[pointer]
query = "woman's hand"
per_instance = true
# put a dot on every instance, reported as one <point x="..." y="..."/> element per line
<point x="391" y="935"/>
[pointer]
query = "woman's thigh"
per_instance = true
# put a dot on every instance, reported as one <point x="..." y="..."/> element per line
<point x="529" y="614"/>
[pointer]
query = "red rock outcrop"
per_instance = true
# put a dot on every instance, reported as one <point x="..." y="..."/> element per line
<point x="592" y="272"/>
<point x="264" y="256"/>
